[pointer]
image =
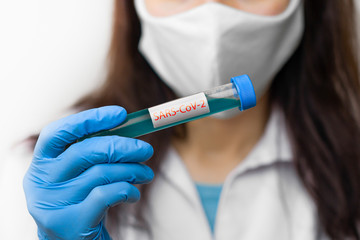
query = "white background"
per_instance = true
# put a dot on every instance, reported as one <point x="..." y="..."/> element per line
<point x="51" y="53"/>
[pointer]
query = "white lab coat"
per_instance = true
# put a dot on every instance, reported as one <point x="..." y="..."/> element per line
<point x="262" y="198"/>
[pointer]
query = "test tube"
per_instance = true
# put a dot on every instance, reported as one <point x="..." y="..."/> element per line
<point x="238" y="93"/>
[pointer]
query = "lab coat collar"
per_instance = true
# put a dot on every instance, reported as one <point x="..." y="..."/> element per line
<point x="273" y="147"/>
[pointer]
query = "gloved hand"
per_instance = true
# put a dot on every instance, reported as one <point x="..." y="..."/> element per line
<point x="68" y="192"/>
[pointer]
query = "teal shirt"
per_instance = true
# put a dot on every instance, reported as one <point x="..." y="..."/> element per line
<point x="209" y="195"/>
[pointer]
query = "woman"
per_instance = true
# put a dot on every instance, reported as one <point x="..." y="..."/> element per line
<point x="286" y="169"/>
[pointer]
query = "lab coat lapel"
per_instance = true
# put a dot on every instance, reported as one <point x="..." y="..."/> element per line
<point x="274" y="146"/>
<point x="174" y="170"/>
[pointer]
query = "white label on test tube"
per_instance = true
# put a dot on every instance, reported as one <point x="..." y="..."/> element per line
<point x="179" y="110"/>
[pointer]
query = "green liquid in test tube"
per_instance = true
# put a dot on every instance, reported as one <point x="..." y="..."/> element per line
<point x="238" y="93"/>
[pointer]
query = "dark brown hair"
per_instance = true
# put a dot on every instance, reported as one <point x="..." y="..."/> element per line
<point x="318" y="90"/>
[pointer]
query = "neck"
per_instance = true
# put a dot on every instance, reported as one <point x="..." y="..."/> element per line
<point x="213" y="147"/>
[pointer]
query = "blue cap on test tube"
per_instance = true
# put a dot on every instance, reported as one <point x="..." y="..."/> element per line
<point x="246" y="91"/>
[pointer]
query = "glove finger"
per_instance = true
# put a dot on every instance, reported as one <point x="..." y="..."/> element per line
<point x="56" y="136"/>
<point x="101" y="198"/>
<point x="76" y="190"/>
<point x="83" y="155"/>
<point x="73" y="192"/>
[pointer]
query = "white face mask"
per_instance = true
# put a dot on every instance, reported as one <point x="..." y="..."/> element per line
<point x="205" y="46"/>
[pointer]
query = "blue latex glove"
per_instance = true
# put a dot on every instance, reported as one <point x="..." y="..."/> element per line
<point x="68" y="192"/>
